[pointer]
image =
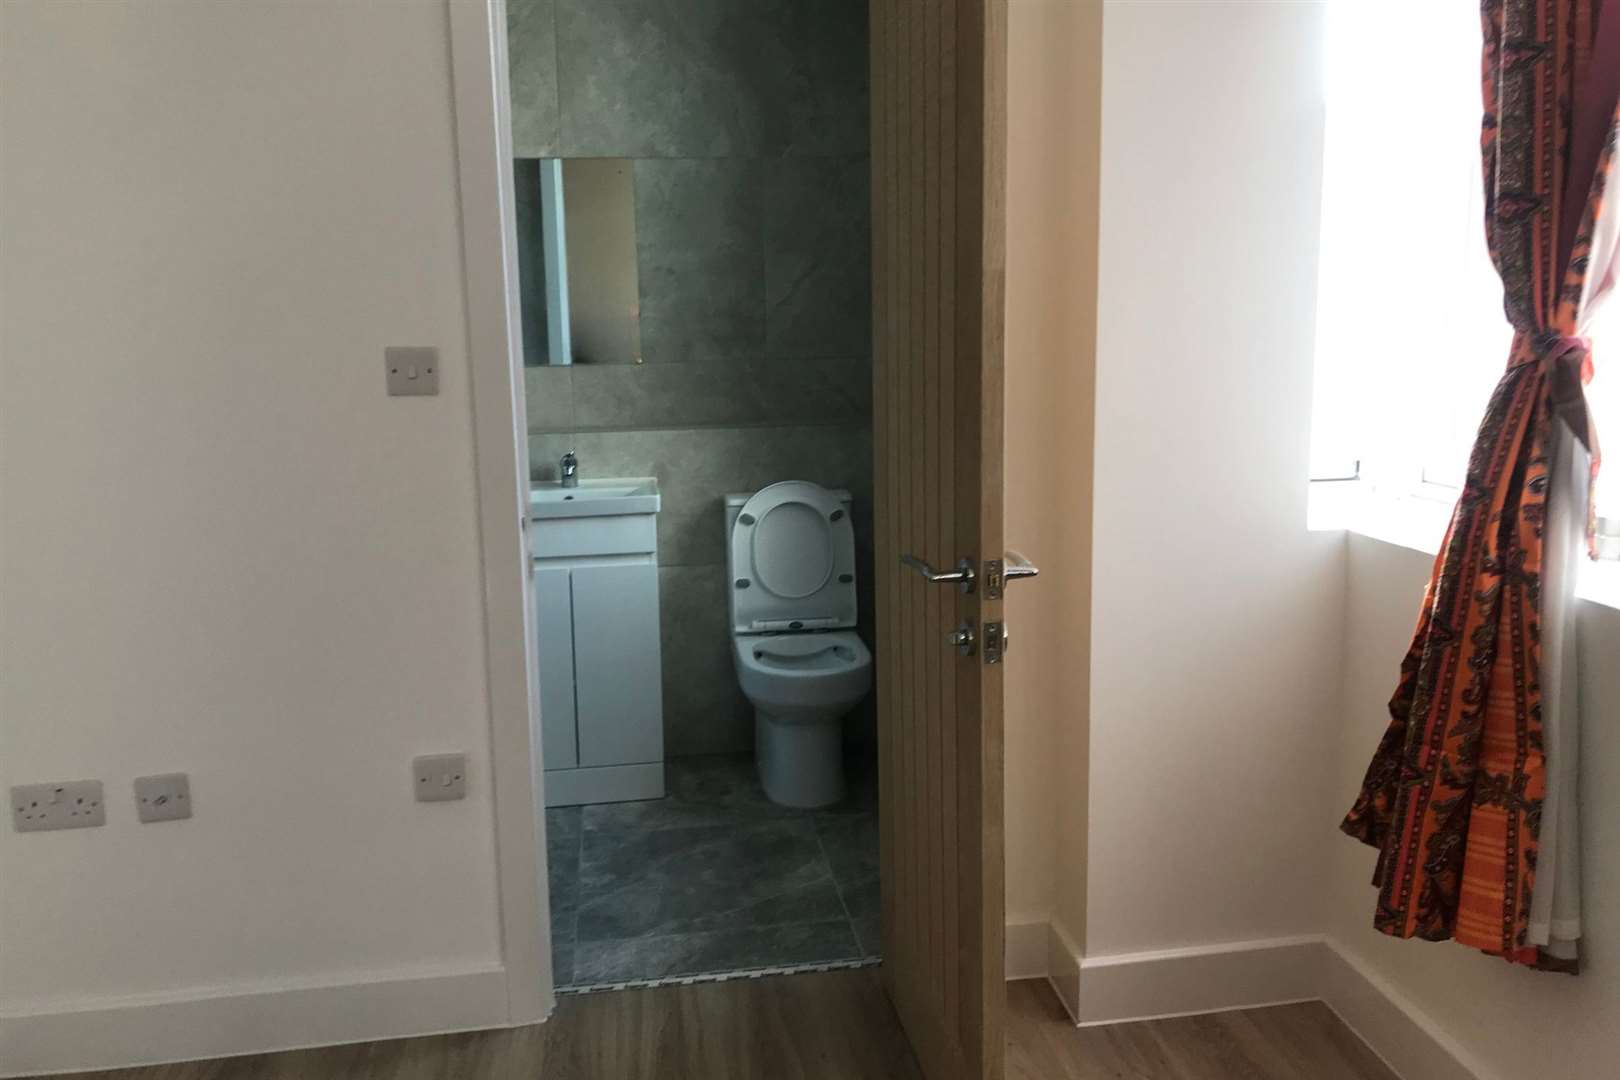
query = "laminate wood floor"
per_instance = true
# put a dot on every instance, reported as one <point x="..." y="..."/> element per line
<point x="832" y="1026"/>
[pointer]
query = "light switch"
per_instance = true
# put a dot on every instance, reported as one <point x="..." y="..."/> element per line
<point x="440" y="777"/>
<point x="413" y="370"/>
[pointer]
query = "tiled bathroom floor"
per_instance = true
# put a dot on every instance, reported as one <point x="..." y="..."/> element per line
<point x="714" y="877"/>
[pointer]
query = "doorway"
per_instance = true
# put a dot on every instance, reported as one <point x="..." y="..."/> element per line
<point x="699" y="343"/>
<point x="693" y="240"/>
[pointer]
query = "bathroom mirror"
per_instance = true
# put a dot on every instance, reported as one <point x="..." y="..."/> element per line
<point x="577" y="268"/>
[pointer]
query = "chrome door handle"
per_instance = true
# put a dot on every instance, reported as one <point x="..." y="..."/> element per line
<point x="1018" y="567"/>
<point x="963" y="575"/>
<point x="998" y="574"/>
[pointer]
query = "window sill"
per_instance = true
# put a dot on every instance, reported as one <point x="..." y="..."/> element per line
<point x="1419" y="522"/>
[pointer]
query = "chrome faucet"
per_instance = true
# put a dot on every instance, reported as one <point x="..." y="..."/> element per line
<point x="568" y="470"/>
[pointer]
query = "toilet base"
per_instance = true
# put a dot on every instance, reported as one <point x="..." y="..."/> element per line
<point x="800" y="763"/>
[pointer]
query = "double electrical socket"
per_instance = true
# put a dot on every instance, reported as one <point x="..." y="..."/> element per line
<point x="78" y="804"/>
<point x="71" y="804"/>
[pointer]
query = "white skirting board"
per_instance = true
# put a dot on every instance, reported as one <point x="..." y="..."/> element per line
<point x="110" y="1033"/>
<point x="116" y="1032"/>
<point x="1240" y="975"/>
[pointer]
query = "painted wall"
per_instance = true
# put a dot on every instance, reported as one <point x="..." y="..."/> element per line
<point x="746" y="123"/>
<point x="223" y="549"/>
<point x="1054" y="82"/>
<point x="1216" y="616"/>
<point x="1516" y="1024"/>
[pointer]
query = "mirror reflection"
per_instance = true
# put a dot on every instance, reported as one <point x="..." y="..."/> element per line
<point x="579" y="285"/>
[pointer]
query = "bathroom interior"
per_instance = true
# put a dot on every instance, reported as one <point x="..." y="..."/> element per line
<point x="693" y="238"/>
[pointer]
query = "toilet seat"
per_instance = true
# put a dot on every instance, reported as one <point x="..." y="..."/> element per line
<point x="793" y="561"/>
<point x="793" y="676"/>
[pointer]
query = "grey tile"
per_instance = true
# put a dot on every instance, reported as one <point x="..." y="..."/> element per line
<point x="549" y="398"/>
<point x="819" y="72"/>
<point x="619" y="396"/>
<point x="563" y="834"/>
<point x="700" y="259"/>
<point x="532" y="63"/>
<point x="636" y="883"/>
<point x="705" y="711"/>
<point x="715" y="790"/>
<point x="869" y="934"/>
<point x="712" y="951"/>
<point x="648" y="78"/>
<point x="833" y="390"/>
<point x="851" y="844"/>
<point x="611" y="397"/>
<point x="719" y="790"/>
<point x="817" y="257"/>
<point x="562" y="962"/>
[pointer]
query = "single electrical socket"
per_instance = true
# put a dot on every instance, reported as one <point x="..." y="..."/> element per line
<point x="440" y="777"/>
<point x="69" y="804"/>
<point x="163" y="798"/>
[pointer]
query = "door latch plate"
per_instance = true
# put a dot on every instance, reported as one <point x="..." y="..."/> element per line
<point x="995" y="642"/>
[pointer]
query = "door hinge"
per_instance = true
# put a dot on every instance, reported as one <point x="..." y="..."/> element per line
<point x="994" y="642"/>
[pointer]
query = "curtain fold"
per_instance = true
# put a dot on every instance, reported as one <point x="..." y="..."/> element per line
<point x="1483" y="729"/>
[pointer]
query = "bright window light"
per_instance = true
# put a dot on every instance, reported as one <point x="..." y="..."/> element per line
<point x="1410" y="334"/>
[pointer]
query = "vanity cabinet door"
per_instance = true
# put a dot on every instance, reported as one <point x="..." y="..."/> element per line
<point x="554" y="622"/>
<point x="616" y="666"/>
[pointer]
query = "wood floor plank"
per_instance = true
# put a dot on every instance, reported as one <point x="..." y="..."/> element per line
<point x="832" y="1026"/>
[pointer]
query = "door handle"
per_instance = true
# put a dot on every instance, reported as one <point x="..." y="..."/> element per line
<point x="963" y="575"/>
<point x="1018" y="567"/>
<point x="998" y="574"/>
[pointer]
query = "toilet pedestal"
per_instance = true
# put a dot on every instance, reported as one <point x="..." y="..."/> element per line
<point x="801" y="764"/>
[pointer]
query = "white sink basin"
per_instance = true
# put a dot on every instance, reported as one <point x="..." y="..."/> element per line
<point x="594" y="498"/>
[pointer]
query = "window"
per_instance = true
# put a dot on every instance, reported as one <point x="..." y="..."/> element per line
<point x="1411" y="337"/>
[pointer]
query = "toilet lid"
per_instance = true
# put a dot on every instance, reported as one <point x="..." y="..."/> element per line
<point x="792" y="560"/>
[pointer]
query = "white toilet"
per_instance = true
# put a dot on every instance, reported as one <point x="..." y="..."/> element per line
<point x="791" y="558"/>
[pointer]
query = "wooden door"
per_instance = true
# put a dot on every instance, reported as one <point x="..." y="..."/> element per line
<point x="938" y="142"/>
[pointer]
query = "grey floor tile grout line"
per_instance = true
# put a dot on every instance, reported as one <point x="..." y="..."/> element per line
<point x="839" y="889"/>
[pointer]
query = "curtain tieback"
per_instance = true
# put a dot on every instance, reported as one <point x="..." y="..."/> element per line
<point x="1555" y="353"/>
<point x="1567" y="364"/>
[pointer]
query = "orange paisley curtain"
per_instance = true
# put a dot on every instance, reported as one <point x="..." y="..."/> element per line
<point x="1453" y="798"/>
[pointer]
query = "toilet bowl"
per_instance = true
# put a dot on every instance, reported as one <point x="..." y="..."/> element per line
<point x="791" y="563"/>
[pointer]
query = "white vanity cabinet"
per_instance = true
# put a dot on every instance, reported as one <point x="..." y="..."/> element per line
<point x="595" y="552"/>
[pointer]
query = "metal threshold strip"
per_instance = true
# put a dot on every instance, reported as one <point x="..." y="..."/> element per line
<point x="720" y="976"/>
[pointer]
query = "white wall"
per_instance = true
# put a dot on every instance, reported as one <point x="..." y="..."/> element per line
<point x="1516" y="1024"/>
<point x="1216" y="617"/>
<point x="222" y="549"/>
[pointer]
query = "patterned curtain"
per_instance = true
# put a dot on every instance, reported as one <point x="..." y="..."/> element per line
<point x="1456" y="793"/>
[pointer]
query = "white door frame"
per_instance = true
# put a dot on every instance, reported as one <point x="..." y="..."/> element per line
<point x="500" y="441"/>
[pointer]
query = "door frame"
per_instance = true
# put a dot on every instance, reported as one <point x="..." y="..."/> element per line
<point x="483" y="127"/>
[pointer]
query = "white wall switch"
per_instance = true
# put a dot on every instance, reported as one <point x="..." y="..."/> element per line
<point x="163" y="798"/>
<point x="413" y="370"/>
<point x="440" y="777"/>
<point x="71" y="804"/>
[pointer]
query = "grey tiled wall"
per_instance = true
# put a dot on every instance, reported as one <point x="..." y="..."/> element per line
<point x="747" y="123"/>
